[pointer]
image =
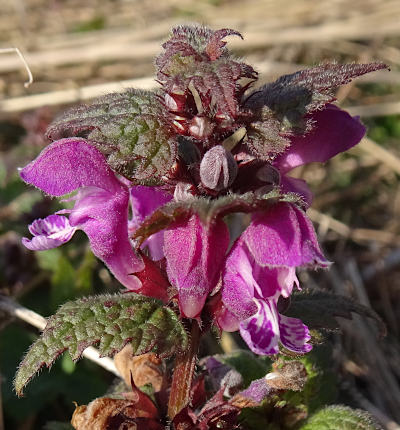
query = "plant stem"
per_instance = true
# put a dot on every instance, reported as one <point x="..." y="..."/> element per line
<point x="183" y="374"/>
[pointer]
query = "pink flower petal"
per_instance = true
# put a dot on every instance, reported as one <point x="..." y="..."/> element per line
<point x="69" y="164"/>
<point x="144" y="201"/>
<point x="334" y="131"/>
<point x="48" y="233"/>
<point x="101" y="203"/>
<point x="261" y="331"/>
<point x="283" y="236"/>
<point x="195" y="253"/>
<point x="294" y="334"/>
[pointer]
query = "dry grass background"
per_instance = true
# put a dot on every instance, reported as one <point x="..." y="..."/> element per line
<point x="79" y="52"/>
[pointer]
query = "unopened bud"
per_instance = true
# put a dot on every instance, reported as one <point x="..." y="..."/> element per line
<point x="218" y="168"/>
<point x="183" y="192"/>
<point x="200" y="127"/>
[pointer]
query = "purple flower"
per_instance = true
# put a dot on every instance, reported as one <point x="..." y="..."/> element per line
<point x="195" y="253"/>
<point x="49" y="233"/>
<point x="144" y="201"/>
<point x="100" y="210"/>
<point x="259" y="269"/>
<point x="334" y="131"/>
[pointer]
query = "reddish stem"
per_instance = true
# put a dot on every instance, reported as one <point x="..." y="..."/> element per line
<point x="183" y="374"/>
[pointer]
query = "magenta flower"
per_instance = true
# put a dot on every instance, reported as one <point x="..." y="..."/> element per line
<point x="259" y="269"/>
<point x="334" y="131"/>
<point x="144" y="201"/>
<point x="195" y="254"/>
<point x="100" y="210"/>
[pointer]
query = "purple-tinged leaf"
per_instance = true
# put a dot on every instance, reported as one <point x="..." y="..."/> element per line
<point x="130" y="128"/>
<point x="264" y="136"/>
<point x="290" y="97"/>
<point x="208" y="210"/>
<point x="214" y="48"/>
<point x="319" y="310"/>
<point x="197" y="56"/>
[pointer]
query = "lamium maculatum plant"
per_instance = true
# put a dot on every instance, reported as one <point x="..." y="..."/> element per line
<point x="157" y="177"/>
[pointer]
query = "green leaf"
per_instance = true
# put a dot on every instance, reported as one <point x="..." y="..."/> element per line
<point x="318" y="310"/>
<point x="112" y="321"/>
<point x="340" y="417"/>
<point x="129" y="128"/>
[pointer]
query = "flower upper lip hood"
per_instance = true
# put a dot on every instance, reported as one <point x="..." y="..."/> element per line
<point x="100" y="210"/>
<point x="283" y="236"/>
<point x="334" y="131"/>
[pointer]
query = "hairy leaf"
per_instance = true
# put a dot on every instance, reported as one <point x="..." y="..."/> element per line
<point x="292" y="96"/>
<point x="340" y="417"/>
<point x="197" y="55"/>
<point x="208" y="209"/>
<point x="129" y="128"/>
<point x="319" y="309"/>
<point x="264" y="137"/>
<point x="112" y="321"/>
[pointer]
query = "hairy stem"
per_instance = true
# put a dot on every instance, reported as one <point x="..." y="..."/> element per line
<point x="183" y="374"/>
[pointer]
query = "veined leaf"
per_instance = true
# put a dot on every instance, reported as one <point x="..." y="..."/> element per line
<point x="292" y="96"/>
<point x="129" y="128"/>
<point x="112" y="321"/>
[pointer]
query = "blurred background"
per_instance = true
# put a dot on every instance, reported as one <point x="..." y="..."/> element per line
<point x="80" y="50"/>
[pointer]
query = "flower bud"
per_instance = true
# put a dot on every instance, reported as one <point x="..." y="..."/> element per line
<point x="201" y="127"/>
<point x="218" y="168"/>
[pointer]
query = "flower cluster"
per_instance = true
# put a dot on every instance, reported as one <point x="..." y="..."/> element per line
<point x="182" y="158"/>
